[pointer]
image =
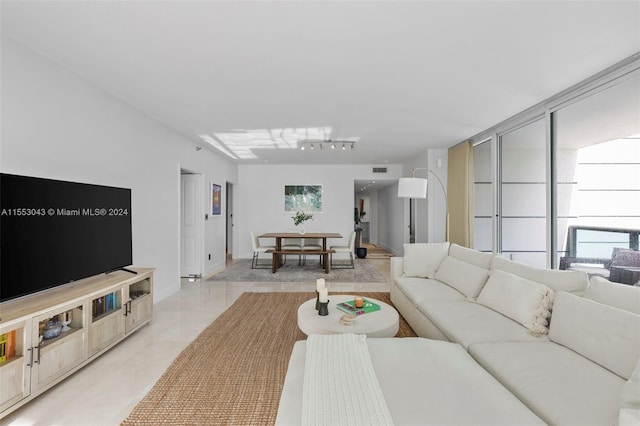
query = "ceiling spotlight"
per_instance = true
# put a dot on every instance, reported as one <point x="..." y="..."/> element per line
<point x="320" y="144"/>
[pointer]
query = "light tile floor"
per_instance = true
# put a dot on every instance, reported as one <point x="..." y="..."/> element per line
<point x="105" y="391"/>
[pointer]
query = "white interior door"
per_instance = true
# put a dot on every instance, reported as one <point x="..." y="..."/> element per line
<point x="191" y="225"/>
<point x="229" y="208"/>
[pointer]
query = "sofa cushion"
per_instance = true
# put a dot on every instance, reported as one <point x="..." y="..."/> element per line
<point x="463" y="276"/>
<point x="520" y="299"/>
<point x="419" y="289"/>
<point x="475" y="257"/>
<point x="605" y="335"/>
<point x="557" y="384"/>
<point x="571" y="281"/>
<point x="429" y="382"/>
<point x="630" y="400"/>
<point x="620" y="296"/>
<point x="422" y="259"/>
<point x="425" y="382"/>
<point x="629" y="417"/>
<point x="630" y="396"/>
<point x="467" y="322"/>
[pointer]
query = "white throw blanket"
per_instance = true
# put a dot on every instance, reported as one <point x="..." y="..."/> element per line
<point x="340" y="384"/>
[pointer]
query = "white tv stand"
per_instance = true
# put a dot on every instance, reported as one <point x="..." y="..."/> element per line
<point x="101" y="311"/>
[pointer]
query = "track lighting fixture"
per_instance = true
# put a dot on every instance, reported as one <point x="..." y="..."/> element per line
<point x="312" y="145"/>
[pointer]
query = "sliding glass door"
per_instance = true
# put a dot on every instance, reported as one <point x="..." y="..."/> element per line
<point x="522" y="210"/>
<point x="596" y="141"/>
<point x="561" y="181"/>
<point x="483" y="197"/>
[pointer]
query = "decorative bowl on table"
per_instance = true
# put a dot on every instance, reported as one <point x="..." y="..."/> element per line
<point x="52" y="329"/>
<point x="347" y="319"/>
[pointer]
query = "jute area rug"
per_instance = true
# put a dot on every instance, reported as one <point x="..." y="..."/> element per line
<point x="240" y="271"/>
<point x="233" y="372"/>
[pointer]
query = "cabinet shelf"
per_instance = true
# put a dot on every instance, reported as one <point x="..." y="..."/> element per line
<point x="9" y="361"/>
<point x="105" y="315"/>
<point x="58" y="340"/>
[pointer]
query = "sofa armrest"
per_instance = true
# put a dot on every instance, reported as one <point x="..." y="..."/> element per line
<point x="396" y="264"/>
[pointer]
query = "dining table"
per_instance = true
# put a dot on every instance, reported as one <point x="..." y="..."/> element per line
<point x="278" y="252"/>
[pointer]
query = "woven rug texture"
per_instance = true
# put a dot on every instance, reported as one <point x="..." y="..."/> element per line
<point x="233" y="372"/>
<point x="240" y="271"/>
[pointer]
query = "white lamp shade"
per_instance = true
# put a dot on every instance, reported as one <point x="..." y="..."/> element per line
<point x="412" y="188"/>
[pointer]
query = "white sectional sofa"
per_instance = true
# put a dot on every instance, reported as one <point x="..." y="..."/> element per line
<point x="500" y="343"/>
<point x="564" y="346"/>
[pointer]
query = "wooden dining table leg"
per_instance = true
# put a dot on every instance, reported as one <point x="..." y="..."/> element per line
<point x="277" y="259"/>
<point x="325" y="257"/>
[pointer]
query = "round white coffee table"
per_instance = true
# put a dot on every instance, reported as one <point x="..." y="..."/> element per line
<point x="382" y="323"/>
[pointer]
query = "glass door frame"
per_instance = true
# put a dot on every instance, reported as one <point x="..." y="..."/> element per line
<point x="600" y="81"/>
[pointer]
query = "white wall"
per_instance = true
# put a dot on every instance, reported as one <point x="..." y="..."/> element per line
<point x="437" y="202"/>
<point x="260" y="202"/>
<point x="57" y="126"/>
<point x="391" y="215"/>
<point x="430" y="212"/>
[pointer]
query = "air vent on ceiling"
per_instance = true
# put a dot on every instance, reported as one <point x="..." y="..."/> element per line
<point x="379" y="170"/>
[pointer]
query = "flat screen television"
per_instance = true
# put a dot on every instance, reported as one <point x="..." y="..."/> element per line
<point x="54" y="232"/>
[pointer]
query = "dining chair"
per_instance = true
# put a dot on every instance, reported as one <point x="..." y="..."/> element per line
<point x="311" y="244"/>
<point x="344" y="249"/>
<point x="257" y="249"/>
<point x="292" y="244"/>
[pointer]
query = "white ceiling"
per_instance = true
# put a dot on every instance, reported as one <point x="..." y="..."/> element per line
<point x="397" y="77"/>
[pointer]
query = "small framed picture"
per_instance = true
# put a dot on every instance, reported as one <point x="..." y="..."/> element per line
<point x="216" y="200"/>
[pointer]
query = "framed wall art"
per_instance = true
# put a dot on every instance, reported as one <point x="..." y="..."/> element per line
<point x="216" y="200"/>
<point x="307" y="198"/>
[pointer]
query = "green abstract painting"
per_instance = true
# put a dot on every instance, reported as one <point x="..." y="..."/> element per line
<point x="307" y="198"/>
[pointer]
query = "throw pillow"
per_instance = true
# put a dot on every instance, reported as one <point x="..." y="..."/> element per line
<point x="520" y="299"/>
<point x="472" y="256"/>
<point x="606" y="335"/>
<point x="571" y="281"/>
<point x="422" y="259"/>
<point x="620" y="296"/>
<point x="626" y="257"/>
<point x="465" y="277"/>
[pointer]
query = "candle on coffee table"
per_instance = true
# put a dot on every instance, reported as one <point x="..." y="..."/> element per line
<point x="358" y="302"/>
<point x="320" y="284"/>
<point x="324" y="295"/>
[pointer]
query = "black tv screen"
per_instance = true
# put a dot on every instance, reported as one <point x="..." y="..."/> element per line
<point x="54" y="232"/>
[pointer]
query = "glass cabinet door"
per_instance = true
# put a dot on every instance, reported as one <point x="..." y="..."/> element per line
<point x="58" y="343"/>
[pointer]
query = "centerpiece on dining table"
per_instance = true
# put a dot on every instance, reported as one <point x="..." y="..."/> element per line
<point x="299" y="218"/>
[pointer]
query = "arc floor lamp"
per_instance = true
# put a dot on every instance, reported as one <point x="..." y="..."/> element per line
<point x="413" y="187"/>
